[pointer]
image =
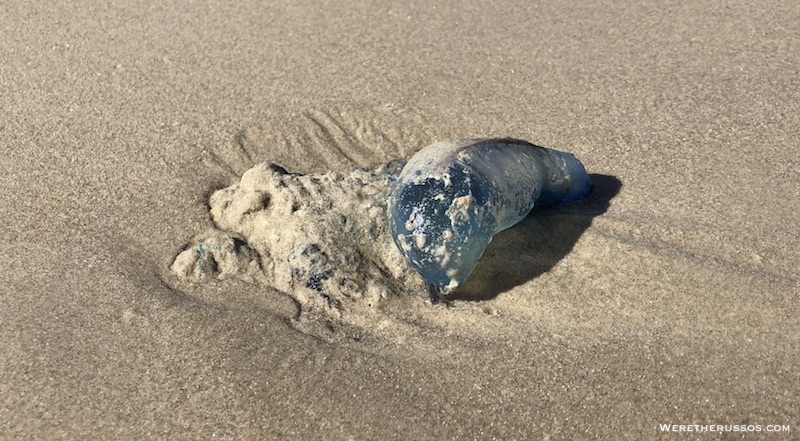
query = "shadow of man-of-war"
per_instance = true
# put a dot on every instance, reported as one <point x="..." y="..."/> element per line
<point x="535" y="245"/>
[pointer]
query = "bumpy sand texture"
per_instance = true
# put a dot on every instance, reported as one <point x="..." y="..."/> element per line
<point x="322" y="239"/>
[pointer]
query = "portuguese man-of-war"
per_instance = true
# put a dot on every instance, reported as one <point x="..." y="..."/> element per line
<point x="453" y="196"/>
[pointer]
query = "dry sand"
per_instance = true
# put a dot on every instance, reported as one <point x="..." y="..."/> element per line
<point x="671" y="296"/>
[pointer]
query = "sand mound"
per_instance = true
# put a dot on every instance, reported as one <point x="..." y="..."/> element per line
<point x="321" y="239"/>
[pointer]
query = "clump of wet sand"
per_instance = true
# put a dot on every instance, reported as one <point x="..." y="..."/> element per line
<point x="321" y="239"/>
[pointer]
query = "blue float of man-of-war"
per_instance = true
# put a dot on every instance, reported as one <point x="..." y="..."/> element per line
<point x="453" y="196"/>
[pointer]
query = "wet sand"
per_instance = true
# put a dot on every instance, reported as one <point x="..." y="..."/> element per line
<point x="670" y="296"/>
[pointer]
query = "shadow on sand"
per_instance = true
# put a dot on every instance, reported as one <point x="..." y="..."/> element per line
<point x="535" y="245"/>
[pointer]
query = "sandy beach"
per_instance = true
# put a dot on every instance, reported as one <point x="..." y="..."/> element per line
<point x="670" y="297"/>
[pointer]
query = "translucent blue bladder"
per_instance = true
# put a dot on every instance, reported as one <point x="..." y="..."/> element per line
<point x="453" y="196"/>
